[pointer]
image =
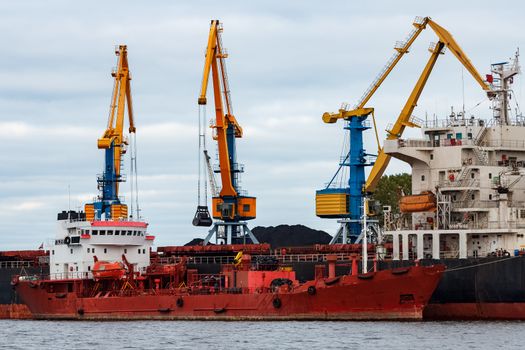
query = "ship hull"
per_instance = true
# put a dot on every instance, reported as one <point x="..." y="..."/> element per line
<point x="471" y="289"/>
<point x="380" y="296"/>
<point x="10" y="304"/>
<point x="475" y="311"/>
<point x="486" y="288"/>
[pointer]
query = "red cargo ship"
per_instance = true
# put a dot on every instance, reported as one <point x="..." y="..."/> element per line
<point x="100" y="265"/>
<point x="243" y="290"/>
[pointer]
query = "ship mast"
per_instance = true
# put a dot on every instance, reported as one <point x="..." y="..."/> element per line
<point x="501" y="87"/>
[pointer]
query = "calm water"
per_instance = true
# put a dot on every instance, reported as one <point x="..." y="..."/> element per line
<point x="260" y="335"/>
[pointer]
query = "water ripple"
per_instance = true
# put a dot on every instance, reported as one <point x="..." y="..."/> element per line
<point x="257" y="335"/>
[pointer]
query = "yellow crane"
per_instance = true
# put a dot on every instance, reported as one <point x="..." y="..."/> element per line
<point x="403" y="120"/>
<point x="114" y="143"/>
<point x="347" y="203"/>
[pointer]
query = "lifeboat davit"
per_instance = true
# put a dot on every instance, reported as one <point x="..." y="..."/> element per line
<point x="108" y="270"/>
<point x="425" y="201"/>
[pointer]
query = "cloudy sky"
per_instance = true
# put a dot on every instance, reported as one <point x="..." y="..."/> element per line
<point x="289" y="62"/>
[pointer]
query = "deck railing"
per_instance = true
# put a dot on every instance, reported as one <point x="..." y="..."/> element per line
<point x="57" y="276"/>
<point x="281" y="258"/>
<point x="16" y="264"/>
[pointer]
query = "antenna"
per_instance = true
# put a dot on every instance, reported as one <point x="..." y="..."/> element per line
<point x="136" y="175"/>
<point x="68" y="197"/>
<point x="463" y="91"/>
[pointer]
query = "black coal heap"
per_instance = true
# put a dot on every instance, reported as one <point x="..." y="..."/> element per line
<point x="284" y="236"/>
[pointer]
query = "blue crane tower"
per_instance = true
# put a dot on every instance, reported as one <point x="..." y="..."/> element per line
<point x="346" y="202"/>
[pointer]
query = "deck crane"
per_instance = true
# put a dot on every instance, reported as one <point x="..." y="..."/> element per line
<point x="231" y="206"/>
<point x="108" y="204"/>
<point x="503" y="184"/>
<point x="346" y="203"/>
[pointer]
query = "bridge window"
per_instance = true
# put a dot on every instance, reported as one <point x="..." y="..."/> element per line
<point x="94" y="232"/>
<point x="110" y="232"/>
<point x="117" y="233"/>
<point x="129" y="233"/>
<point x="102" y="232"/>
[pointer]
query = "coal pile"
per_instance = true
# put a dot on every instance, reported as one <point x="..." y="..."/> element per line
<point x="290" y="236"/>
<point x="195" y="241"/>
<point x="284" y="236"/>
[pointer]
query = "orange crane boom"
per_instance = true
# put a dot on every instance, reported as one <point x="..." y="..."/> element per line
<point x="230" y="205"/>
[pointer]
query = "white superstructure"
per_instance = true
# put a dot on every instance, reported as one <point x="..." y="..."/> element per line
<point x="475" y="169"/>
<point x="78" y="242"/>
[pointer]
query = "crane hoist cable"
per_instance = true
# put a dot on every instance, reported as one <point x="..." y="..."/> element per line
<point x="201" y="185"/>
<point x="135" y="208"/>
<point x="202" y="215"/>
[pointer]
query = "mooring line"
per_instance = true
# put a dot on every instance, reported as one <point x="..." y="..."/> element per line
<point x="482" y="264"/>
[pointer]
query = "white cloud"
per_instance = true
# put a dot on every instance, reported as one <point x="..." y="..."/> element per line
<point x="289" y="62"/>
<point x="26" y="206"/>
